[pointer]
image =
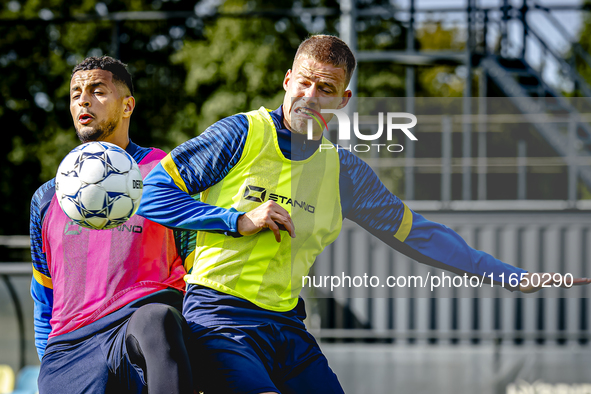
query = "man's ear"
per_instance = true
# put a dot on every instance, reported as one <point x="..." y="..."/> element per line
<point x="286" y="79"/>
<point x="346" y="97"/>
<point x="129" y="103"/>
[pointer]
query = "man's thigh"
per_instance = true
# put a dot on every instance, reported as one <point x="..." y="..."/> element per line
<point x="304" y="368"/>
<point x="230" y="360"/>
<point x="78" y="368"/>
<point x="97" y="364"/>
<point x="260" y="358"/>
<point x="313" y="377"/>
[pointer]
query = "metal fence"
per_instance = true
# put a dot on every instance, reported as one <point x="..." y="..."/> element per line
<point x="539" y="240"/>
<point x="536" y="241"/>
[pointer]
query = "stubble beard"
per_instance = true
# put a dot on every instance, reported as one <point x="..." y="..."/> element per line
<point x="299" y="125"/>
<point x="98" y="133"/>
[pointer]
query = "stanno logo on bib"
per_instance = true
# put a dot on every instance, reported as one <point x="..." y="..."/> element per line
<point x="255" y="193"/>
<point x="259" y="194"/>
<point x="72" y="228"/>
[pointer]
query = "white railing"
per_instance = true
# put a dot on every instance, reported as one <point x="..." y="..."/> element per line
<point x="536" y="241"/>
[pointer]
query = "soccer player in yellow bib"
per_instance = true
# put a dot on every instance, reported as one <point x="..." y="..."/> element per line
<point x="270" y="201"/>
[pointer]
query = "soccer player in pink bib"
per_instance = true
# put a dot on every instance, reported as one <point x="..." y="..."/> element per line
<point x="107" y="302"/>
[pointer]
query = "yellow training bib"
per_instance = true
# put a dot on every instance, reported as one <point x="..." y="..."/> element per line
<point x="258" y="268"/>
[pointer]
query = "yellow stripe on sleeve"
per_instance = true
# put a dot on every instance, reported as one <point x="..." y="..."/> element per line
<point x="43" y="280"/>
<point x="405" y="225"/>
<point x="189" y="261"/>
<point x="172" y="170"/>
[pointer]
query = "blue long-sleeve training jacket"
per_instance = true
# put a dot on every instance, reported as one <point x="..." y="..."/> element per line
<point x="205" y="160"/>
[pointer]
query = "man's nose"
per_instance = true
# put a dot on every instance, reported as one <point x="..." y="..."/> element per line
<point x="311" y="91"/>
<point x="311" y="97"/>
<point x="84" y="101"/>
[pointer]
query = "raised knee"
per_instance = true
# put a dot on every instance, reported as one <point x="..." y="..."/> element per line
<point x="152" y="322"/>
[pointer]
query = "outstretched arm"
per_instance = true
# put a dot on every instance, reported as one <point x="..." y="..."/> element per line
<point x="384" y="215"/>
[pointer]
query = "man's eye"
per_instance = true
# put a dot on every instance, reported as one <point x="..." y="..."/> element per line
<point x="75" y="97"/>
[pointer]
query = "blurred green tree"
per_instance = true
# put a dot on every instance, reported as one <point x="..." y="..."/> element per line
<point x="584" y="40"/>
<point x="239" y="65"/>
<point x="40" y="42"/>
<point x="189" y="71"/>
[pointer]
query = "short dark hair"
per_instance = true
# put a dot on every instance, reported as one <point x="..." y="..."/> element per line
<point x="330" y="50"/>
<point x="107" y="63"/>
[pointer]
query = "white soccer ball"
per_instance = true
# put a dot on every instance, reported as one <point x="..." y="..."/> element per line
<point x="98" y="185"/>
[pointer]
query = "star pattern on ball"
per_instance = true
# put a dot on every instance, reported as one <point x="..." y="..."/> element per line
<point x="95" y="185"/>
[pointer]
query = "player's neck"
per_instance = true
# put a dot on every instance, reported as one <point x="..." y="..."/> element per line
<point x="120" y="140"/>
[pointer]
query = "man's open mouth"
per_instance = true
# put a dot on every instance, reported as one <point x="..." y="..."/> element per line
<point x="304" y="111"/>
<point x="85" y="118"/>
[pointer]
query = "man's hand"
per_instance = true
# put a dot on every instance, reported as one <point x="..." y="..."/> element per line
<point x="268" y="215"/>
<point x="532" y="282"/>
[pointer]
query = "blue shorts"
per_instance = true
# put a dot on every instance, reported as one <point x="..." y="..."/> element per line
<point x="93" y="359"/>
<point x="241" y="348"/>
